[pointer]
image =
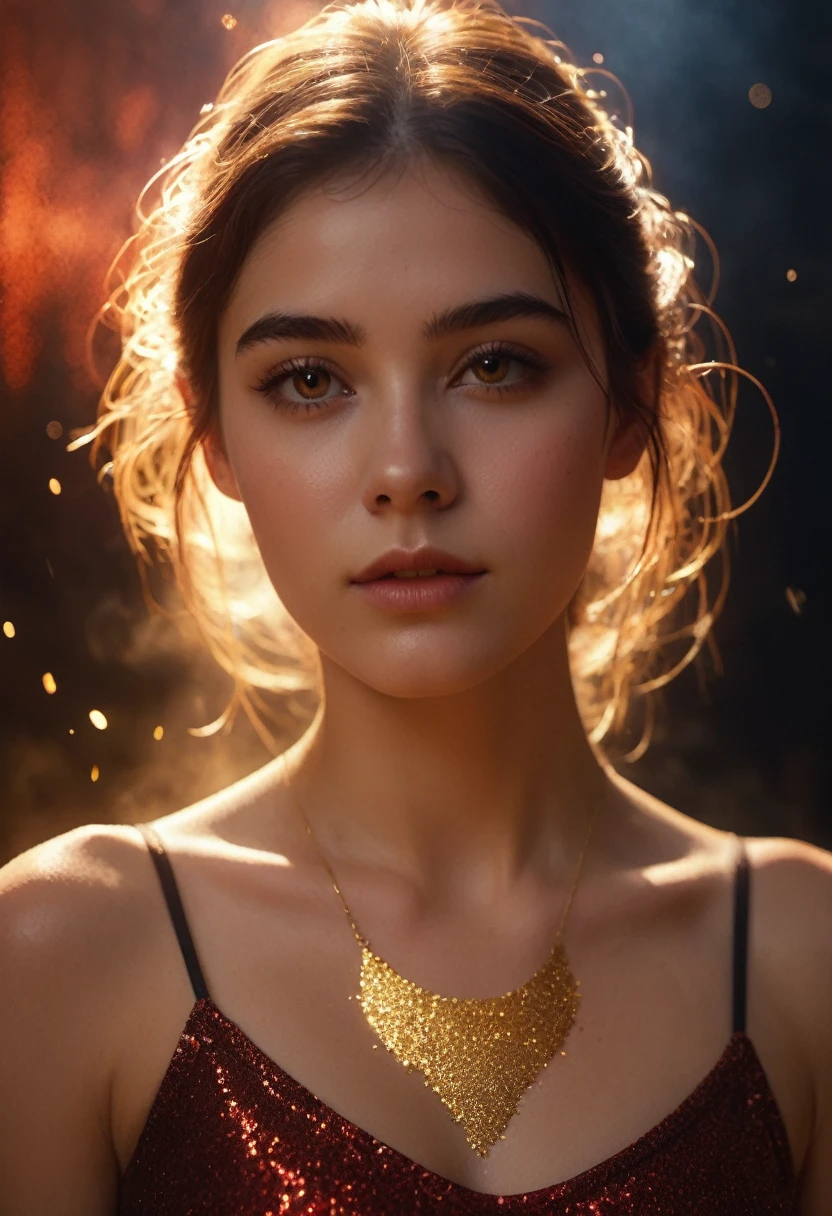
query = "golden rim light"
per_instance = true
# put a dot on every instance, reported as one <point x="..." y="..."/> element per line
<point x="627" y="596"/>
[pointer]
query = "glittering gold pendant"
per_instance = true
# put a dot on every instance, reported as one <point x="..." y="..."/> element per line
<point x="479" y="1056"/>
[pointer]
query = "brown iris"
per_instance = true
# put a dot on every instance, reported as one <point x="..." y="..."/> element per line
<point x="310" y="379"/>
<point x="491" y="365"/>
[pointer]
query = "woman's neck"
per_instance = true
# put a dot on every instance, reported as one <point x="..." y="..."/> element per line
<point x="462" y="793"/>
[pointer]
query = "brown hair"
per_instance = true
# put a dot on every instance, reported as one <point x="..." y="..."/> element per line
<point x="360" y="88"/>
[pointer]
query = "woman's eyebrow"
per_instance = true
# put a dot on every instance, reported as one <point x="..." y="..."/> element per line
<point x="280" y="326"/>
<point x="502" y="307"/>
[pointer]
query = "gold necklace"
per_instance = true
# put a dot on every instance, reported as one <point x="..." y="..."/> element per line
<point x="478" y="1055"/>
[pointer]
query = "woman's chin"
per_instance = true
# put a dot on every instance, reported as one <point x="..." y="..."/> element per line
<point x="422" y="672"/>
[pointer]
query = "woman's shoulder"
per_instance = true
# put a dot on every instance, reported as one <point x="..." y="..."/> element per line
<point x="85" y="904"/>
<point x="791" y="861"/>
<point x="53" y="895"/>
<point x="77" y="916"/>
<point x="790" y="903"/>
<point x="81" y="925"/>
<point x="791" y="920"/>
<point x="72" y="923"/>
<point x="69" y="880"/>
<point x="777" y="862"/>
<point x="789" y="958"/>
<point x="791" y="912"/>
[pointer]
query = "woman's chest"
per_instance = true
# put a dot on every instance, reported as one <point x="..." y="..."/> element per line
<point x="652" y="1022"/>
<point x="231" y="1133"/>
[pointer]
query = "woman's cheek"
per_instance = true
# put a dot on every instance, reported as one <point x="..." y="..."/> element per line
<point x="548" y="492"/>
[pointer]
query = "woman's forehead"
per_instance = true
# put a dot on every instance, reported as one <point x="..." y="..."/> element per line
<point x="416" y="243"/>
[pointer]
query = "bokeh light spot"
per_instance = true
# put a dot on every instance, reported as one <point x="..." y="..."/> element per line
<point x="796" y="599"/>
<point x="8" y="629"/>
<point x="158" y="732"/>
<point x="98" y="720"/>
<point x="791" y="275"/>
<point x="49" y="682"/>
<point x="54" y="485"/>
<point x="760" y="96"/>
<point x="229" y="22"/>
<point x="94" y="773"/>
<point x="597" y="57"/>
<point x="54" y="430"/>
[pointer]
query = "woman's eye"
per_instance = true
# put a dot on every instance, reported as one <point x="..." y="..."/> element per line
<point x="492" y="369"/>
<point x="302" y="385"/>
<point x="309" y="384"/>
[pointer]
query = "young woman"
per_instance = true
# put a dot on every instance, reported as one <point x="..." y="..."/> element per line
<point x="410" y="396"/>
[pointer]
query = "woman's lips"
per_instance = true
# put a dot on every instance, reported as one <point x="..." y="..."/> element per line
<point x="420" y="594"/>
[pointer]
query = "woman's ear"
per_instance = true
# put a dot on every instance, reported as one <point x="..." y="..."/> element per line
<point x="626" y="448"/>
<point x="219" y="466"/>
<point x="631" y="434"/>
<point x="213" y="448"/>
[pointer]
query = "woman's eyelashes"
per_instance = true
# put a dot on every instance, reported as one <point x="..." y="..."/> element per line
<point x="310" y="379"/>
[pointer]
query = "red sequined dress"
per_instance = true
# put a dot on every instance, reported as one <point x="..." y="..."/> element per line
<point x="231" y="1134"/>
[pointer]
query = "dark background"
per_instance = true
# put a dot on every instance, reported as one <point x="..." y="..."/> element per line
<point x="94" y="95"/>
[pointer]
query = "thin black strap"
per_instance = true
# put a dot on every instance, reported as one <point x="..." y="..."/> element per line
<point x="177" y="912"/>
<point x="741" y="877"/>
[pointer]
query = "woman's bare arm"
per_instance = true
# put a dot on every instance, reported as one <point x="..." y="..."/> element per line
<point x="68" y="923"/>
<point x="807" y="899"/>
<point x="792" y="894"/>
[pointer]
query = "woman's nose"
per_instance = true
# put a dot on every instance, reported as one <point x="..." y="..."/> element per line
<point x="409" y="465"/>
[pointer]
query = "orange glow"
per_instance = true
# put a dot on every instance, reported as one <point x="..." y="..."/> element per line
<point x="24" y="148"/>
<point x="158" y="732"/>
<point x="8" y="629"/>
<point x="61" y="217"/>
<point x="791" y="275"/>
<point x="136" y="112"/>
<point x="94" y="773"/>
<point x="49" y="682"/>
<point x="54" y="485"/>
<point x="98" y="720"/>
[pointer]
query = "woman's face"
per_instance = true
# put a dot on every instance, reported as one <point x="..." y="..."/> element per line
<point x="387" y="427"/>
